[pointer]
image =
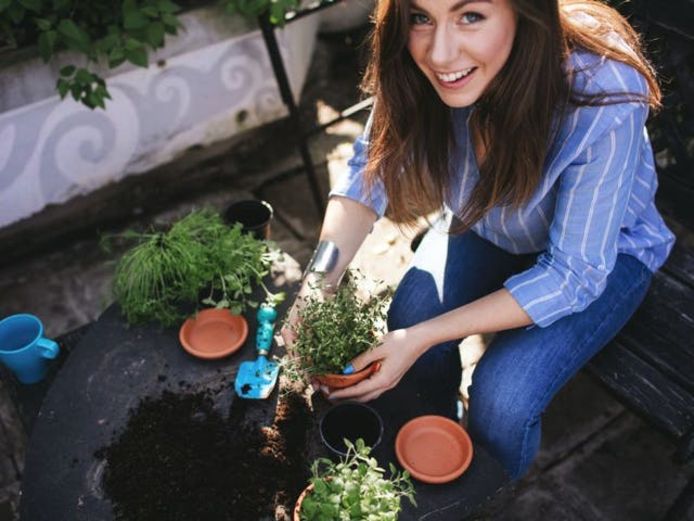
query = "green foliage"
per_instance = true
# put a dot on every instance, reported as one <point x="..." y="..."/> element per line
<point x="334" y="330"/>
<point x="278" y="9"/>
<point x="355" y="488"/>
<point x="98" y="30"/>
<point x="105" y="32"/>
<point x="198" y="253"/>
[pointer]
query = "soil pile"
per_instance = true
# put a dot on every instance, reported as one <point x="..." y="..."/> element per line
<point x="179" y="459"/>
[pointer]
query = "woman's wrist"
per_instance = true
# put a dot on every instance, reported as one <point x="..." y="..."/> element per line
<point x="421" y="338"/>
<point x="317" y="282"/>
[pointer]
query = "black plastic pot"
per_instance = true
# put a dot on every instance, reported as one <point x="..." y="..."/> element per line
<point x="350" y="420"/>
<point x="254" y="216"/>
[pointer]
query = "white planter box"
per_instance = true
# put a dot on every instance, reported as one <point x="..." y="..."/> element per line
<point x="209" y="83"/>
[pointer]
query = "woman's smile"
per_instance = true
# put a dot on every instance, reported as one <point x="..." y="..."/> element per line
<point x="461" y="45"/>
<point x="453" y="80"/>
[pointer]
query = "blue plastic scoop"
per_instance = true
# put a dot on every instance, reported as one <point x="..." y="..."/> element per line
<point x="256" y="379"/>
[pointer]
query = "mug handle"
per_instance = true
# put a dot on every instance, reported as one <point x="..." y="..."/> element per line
<point x="48" y="348"/>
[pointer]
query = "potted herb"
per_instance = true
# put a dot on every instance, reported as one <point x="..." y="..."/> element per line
<point x="167" y="269"/>
<point x="334" y="330"/>
<point x="355" y="488"/>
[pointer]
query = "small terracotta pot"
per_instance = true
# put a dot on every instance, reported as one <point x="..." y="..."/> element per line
<point x="213" y="333"/>
<point x="340" y="381"/>
<point x="433" y="449"/>
<point x="300" y="500"/>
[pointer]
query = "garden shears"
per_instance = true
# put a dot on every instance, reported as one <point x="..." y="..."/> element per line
<point x="257" y="378"/>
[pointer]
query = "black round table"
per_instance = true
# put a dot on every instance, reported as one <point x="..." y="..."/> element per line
<point x="115" y="366"/>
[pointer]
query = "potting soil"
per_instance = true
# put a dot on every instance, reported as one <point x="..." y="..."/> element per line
<point x="179" y="459"/>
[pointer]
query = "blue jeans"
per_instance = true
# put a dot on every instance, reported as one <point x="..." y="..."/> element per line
<point x="522" y="368"/>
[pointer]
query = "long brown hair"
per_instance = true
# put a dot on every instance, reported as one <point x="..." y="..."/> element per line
<point x="411" y="134"/>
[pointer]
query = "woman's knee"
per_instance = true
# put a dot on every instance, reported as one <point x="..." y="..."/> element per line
<point x="415" y="300"/>
<point x="505" y="419"/>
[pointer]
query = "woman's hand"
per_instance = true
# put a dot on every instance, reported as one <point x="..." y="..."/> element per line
<point x="397" y="352"/>
<point x="288" y="330"/>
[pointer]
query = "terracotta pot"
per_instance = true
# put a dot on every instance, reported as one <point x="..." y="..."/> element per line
<point x="433" y="449"/>
<point x="300" y="500"/>
<point x="213" y="333"/>
<point x="340" y="381"/>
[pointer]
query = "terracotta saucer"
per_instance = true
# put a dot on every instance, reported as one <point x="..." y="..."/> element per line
<point x="340" y="381"/>
<point x="434" y="449"/>
<point x="213" y="333"/>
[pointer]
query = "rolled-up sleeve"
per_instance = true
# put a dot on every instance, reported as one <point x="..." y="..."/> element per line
<point x="592" y="197"/>
<point x="352" y="185"/>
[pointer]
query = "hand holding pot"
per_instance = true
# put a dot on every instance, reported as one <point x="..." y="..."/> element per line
<point x="397" y="352"/>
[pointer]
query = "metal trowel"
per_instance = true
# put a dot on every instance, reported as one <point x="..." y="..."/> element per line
<point x="256" y="379"/>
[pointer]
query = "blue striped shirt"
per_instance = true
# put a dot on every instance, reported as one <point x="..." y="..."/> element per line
<point x="595" y="198"/>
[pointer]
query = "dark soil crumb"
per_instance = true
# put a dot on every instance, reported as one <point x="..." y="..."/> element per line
<point x="178" y="459"/>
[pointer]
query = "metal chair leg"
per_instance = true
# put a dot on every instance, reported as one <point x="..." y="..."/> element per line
<point x="287" y="97"/>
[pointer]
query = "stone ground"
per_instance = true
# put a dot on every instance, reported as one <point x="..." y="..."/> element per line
<point x="597" y="462"/>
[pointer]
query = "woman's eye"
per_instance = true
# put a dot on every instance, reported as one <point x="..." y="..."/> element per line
<point x="471" y="18"/>
<point x="418" y="19"/>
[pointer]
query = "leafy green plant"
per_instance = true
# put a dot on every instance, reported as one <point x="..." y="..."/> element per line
<point x="355" y="488"/>
<point x="105" y="32"/>
<point x="334" y="330"/>
<point x="166" y="269"/>
<point x="98" y="30"/>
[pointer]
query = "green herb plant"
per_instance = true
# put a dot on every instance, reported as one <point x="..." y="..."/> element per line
<point x="335" y="329"/>
<point x="355" y="488"/>
<point x="168" y="269"/>
<point x="105" y="32"/>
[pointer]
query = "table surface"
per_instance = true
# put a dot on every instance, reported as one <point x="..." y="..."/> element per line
<point x="115" y="366"/>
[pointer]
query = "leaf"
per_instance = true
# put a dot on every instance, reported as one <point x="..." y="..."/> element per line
<point x="83" y="76"/>
<point x="76" y="91"/>
<point x="170" y="21"/>
<point x="155" y="34"/>
<point x="4" y="4"/>
<point x="42" y="23"/>
<point x="110" y="41"/>
<point x="131" y="44"/>
<point x="166" y="6"/>
<point x="116" y="57"/>
<point x="150" y="11"/>
<point x="137" y="57"/>
<point x="68" y="70"/>
<point x="46" y="43"/>
<point x="63" y="87"/>
<point x="135" y="20"/>
<point x="71" y="31"/>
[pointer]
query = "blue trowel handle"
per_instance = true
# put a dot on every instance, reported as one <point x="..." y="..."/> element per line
<point x="266" y="326"/>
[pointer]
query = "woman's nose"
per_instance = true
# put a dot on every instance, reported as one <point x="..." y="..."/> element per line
<point x="443" y="48"/>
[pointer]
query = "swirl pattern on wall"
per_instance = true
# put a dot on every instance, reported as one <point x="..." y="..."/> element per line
<point x="53" y="150"/>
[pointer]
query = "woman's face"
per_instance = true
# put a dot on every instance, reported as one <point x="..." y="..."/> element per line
<point x="461" y="45"/>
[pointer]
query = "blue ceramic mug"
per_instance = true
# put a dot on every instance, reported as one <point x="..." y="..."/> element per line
<point x="24" y="349"/>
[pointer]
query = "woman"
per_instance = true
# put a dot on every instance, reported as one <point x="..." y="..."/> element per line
<point x="525" y="120"/>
